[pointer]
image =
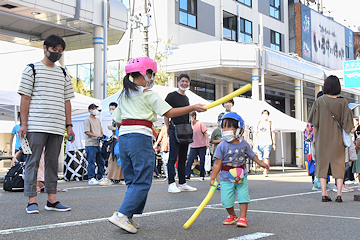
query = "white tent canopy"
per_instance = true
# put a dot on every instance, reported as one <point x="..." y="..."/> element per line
<point x="248" y="109"/>
<point x="10" y="102"/>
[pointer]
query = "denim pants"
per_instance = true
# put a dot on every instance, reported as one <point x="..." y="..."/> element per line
<point x="176" y="149"/>
<point x="137" y="162"/>
<point x="94" y="155"/>
<point x="194" y="152"/>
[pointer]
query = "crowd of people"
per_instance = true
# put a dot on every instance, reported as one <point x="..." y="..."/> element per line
<point x="45" y="109"/>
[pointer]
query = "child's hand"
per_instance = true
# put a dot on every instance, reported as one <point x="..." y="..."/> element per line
<point x="264" y="165"/>
<point x="212" y="183"/>
<point x="199" y="107"/>
<point x="13" y="161"/>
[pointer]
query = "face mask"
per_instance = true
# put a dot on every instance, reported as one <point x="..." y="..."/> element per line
<point x="94" y="112"/>
<point x="227" y="106"/>
<point x="54" y="56"/>
<point x="111" y="112"/>
<point x="149" y="81"/>
<point x="229" y="136"/>
<point x="183" y="89"/>
<point x="264" y="117"/>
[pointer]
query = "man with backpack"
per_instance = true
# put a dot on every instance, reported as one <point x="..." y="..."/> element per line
<point x="265" y="139"/>
<point x="45" y="110"/>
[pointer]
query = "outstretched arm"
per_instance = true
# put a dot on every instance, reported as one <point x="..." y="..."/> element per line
<point x="175" y="112"/>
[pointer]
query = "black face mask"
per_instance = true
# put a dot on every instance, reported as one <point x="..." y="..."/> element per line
<point x="54" y="56"/>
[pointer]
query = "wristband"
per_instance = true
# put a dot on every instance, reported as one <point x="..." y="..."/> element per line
<point x="69" y="125"/>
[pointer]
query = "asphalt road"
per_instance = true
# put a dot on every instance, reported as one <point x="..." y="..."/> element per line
<point x="283" y="207"/>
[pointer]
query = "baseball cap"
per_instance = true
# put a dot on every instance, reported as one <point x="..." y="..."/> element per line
<point x="92" y="106"/>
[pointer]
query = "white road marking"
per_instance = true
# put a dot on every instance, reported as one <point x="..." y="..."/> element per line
<point x="212" y="206"/>
<point x="252" y="236"/>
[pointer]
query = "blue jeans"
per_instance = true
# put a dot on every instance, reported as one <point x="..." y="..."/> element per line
<point x="194" y="152"/>
<point x="94" y="155"/>
<point x="264" y="152"/>
<point x="22" y="157"/>
<point x="137" y="161"/>
<point x="176" y="149"/>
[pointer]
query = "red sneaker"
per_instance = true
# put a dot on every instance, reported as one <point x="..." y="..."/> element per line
<point x="230" y="220"/>
<point x="242" y="222"/>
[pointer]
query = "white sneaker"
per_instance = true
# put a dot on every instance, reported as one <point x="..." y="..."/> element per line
<point x="135" y="224"/>
<point x="173" y="189"/>
<point x="186" y="187"/>
<point x="93" y="181"/>
<point x="265" y="174"/>
<point x="123" y="222"/>
<point x="105" y="182"/>
<point x="201" y="179"/>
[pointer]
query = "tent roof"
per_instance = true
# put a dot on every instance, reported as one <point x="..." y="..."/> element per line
<point x="248" y="109"/>
<point x="11" y="99"/>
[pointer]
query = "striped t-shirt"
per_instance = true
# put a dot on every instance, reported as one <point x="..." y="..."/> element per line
<point x="48" y="95"/>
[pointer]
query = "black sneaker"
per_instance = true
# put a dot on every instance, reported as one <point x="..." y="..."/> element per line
<point x="57" y="206"/>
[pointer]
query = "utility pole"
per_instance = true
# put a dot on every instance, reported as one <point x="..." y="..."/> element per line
<point x="146" y="26"/>
<point x="132" y="7"/>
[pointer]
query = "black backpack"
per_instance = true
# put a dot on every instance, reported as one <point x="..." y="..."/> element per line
<point x="13" y="180"/>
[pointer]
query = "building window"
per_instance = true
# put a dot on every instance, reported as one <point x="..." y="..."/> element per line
<point x="204" y="90"/>
<point x="229" y="26"/>
<point x="347" y="52"/>
<point x="187" y="13"/>
<point x="246" y="2"/>
<point x="275" y="41"/>
<point x="245" y="30"/>
<point x="275" y="8"/>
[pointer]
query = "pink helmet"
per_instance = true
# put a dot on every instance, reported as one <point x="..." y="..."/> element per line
<point x="141" y="65"/>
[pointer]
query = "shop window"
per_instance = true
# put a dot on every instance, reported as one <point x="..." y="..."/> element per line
<point x="245" y="30"/>
<point x="275" y="9"/>
<point x="347" y="52"/>
<point x="229" y="27"/>
<point x="246" y="2"/>
<point x="275" y="41"/>
<point x="204" y="90"/>
<point x="187" y="13"/>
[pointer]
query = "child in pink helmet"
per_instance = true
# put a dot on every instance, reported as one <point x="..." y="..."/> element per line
<point x="137" y="109"/>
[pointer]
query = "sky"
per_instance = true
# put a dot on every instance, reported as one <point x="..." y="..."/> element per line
<point x="15" y="57"/>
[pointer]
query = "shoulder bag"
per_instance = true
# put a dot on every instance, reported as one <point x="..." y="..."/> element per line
<point x="346" y="136"/>
<point x="183" y="133"/>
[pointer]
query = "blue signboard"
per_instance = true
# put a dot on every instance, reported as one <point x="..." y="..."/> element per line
<point x="349" y="43"/>
<point x="352" y="74"/>
<point x="306" y="32"/>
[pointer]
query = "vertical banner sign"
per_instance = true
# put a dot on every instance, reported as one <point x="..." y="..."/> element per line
<point x="306" y="32"/>
<point x="352" y="74"/>
<point x="349" y="41"/>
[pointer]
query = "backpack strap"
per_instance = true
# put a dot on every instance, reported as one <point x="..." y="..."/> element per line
<point x="34" y="72"/>
<point x="33" y="69"/>
<point x="64" y="71"/>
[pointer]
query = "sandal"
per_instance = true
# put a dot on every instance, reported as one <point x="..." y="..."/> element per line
<point x="326" y="199"/>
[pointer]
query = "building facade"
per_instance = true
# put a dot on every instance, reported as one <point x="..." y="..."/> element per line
<point x="283" y="48"/>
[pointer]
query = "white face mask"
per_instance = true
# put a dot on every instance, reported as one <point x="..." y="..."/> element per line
<point x="265" y="116"/>
<point x="111" y="112"/>
<point x="228" y="106"/>
<point x="229" y="136"/>
<point x="149" y="81"/>
<point x="183" y="89"/>
<point x="94" y="112"/>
